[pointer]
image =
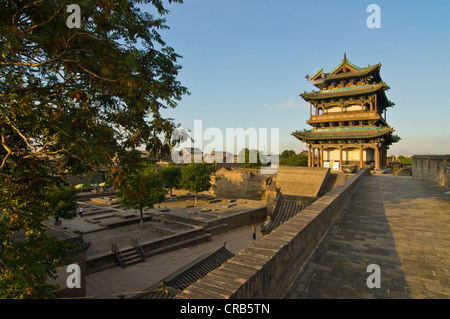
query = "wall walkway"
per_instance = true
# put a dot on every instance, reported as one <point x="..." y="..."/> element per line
<point x="398" y="223"/>
<point x="267" y="268"/>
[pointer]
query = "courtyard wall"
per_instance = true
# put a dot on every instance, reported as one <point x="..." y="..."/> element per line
<point x="432" y="167"/>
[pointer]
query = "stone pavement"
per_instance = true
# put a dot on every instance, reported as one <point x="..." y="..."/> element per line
<point x="398" y="223"/>
<point x="129" y="281"/>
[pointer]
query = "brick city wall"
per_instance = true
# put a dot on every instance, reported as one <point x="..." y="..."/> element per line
<point x="267" y="268"/>
<point x="297" y="180"/>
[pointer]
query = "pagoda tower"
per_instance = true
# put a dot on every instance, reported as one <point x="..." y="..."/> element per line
<point x="348" y="118"/>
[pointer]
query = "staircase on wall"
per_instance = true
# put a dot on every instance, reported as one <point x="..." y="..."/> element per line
<point x="286" y="207"/>
<point x="332" y="181"/>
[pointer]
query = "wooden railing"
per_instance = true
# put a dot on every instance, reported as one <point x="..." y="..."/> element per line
<point x="354" y="115"/>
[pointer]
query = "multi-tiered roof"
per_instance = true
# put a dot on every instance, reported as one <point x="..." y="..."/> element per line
<point x="337" y="117"/>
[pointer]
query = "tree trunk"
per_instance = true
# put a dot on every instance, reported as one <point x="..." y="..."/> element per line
<point x="195" y="202"/>
<point x="171" y="193"/>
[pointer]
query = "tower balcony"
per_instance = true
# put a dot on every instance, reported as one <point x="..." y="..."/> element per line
<point x="344" y="116"/>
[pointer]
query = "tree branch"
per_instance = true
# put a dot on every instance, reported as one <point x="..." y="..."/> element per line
<point x="21" y="135"/>
<point x="7" y="149"/>
<point x="43" y="23"/>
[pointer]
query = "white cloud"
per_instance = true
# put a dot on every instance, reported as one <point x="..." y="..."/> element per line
<point x="288" y="105"/>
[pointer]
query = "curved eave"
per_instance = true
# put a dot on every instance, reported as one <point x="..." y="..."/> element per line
<point x="307" y="136"/>
<point x="343" y="92"/>
<point x="356" y="74"/>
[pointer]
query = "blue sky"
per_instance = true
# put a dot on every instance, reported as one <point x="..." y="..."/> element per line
<point x="245" y="61"/>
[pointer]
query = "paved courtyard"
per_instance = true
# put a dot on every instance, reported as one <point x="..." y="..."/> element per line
<point x="114" y="282"/>
<point x="398" y="223"/>
<point x="103" y="224"/>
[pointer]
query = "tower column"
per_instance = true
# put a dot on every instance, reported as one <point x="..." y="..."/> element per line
<point x="361" y="157"/>
<point x="309" y="155"/>
<point x="377" y="158"/>
<point x="318" y="157"/>
<point x="321" y="156"/>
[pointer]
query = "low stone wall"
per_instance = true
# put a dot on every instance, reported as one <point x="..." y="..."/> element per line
<point x="268" y="267"/>
<point x="247" y="217"/>
<point x="432" y="167"/>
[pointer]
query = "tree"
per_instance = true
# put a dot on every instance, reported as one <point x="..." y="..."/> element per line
<point x="287" y="153"/>
<point x="28" y="197"/>
<point x="140" y="188"/>
<point x="289" y="158"/>
<point x="171" y="176"/>
<point x="404" y="159"/>
<point x="73" y="100"/>
<point x="63" y="201"/>
<point x="196" y="178"/>
<point x="249" y="158"/>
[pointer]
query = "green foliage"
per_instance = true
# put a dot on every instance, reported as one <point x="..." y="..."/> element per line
<point x="72" y="101"/>
<point x="249" y="158"/>
<point x="25" y="262"/>
<point x="28" y="197"/>
<point x="171" y="176"/>
<point x="196" y="178"/>
<point x="289" y="158"/>
<point x="140" y="188"/>
<point x="404" y="159"/>
<point x="287" y="153"/>
<point x="63" y="201"/>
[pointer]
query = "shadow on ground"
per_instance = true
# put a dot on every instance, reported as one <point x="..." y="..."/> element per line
<point x="387" y="222"/>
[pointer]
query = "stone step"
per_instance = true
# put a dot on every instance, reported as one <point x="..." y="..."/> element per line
<point x="125" y="215"/>
<point x="129" y="257"/>
<point x="130" y="254"/>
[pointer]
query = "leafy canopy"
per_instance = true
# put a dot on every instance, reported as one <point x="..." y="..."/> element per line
<point x="171" y="176"/>
<point x="73" y="100"/>
<point x="196" y="177"/>
<point x="140" y="188"/>
<point x="290" y="158"/>
<point x="249" y="158"/>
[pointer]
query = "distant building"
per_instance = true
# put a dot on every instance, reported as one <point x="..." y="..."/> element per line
<point x="348" y="116"/>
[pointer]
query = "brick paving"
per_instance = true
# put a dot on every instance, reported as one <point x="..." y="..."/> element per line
<point x="399" y="223"/>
